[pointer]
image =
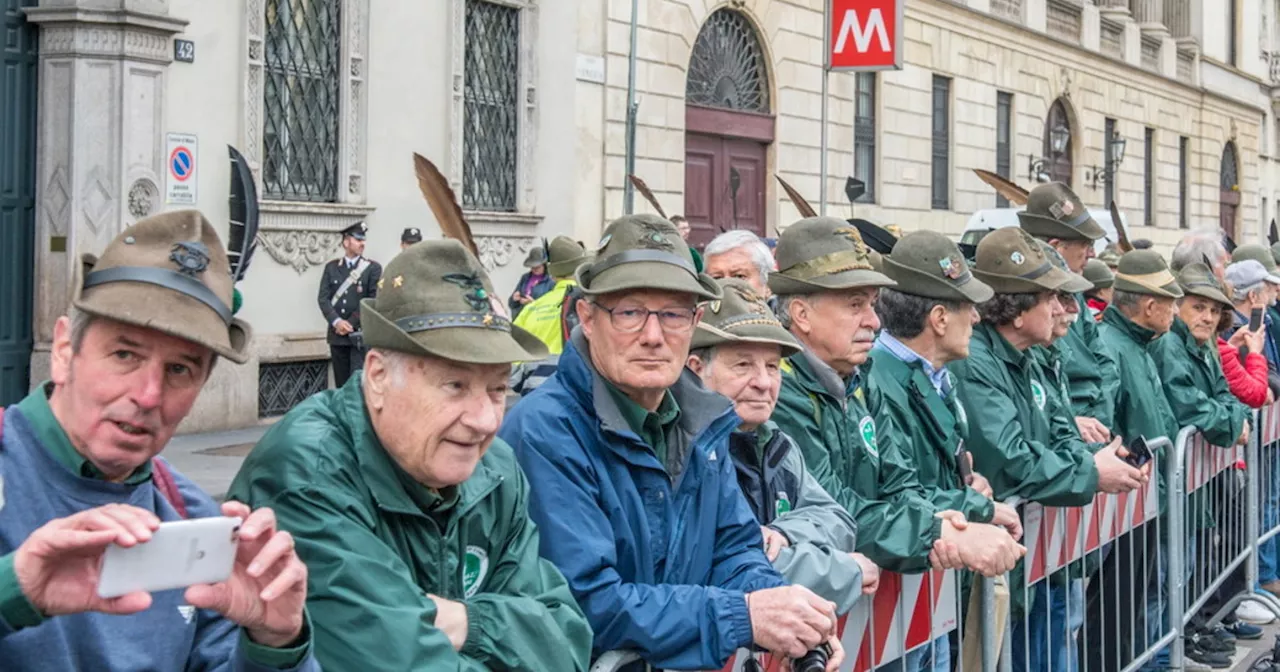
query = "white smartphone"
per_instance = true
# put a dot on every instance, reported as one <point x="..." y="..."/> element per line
<point x="179" y="554"/>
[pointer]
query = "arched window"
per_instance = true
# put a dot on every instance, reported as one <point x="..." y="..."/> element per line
<point x="727" y="69"/>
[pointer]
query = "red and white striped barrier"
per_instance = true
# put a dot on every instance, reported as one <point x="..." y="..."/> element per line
<point x="1057" y="536"/>
<point x="1205" y="461"/>
<point x="906" y="612"/>
<point x="1269" y="419"/>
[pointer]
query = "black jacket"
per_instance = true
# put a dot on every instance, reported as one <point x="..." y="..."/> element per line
<point x="347" y="306"/>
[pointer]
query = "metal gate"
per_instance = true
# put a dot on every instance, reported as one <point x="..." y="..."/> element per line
<point x="18" y="65"/>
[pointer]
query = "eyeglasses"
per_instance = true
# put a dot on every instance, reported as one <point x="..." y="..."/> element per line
<point x="630" y="319"/>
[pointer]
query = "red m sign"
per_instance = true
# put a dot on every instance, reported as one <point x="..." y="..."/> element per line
<point x="864" y="34"/>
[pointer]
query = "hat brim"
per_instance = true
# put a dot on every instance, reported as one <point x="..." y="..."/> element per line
<point x="915" y="282"/>
<point x="707" y="336"/>
<point x="565" y="268"/>
<point x="1168" y="291"/>
<point x="169" y="312"/>
<point x="1045" y="227"/>
<point x="1103" y="284"/>
<point x="469" y="345"/>
<point x="784" y="285"/>
<point x="1076" y="284"/>
<point x="651" y="275"/>
<point x="1208" y="293"/>
<point x="1053" y="280"/>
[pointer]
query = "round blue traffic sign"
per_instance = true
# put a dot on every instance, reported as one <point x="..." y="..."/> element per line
<point x="181" y="163"/>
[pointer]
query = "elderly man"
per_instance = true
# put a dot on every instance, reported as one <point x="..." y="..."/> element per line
<point x="740" y="254"/>
<point x="827" y="289"/>
<point x="1055" y="215"/>
<point x="80" y="472"/>
<point x="411" y="516"/>
<point x="635" y="489"/>
<point x="737" y="350"/>
<point x="1021" y="429"/>
<point x="1263" y="256"/>
<point x="1142" y="309"/>
<point x="1199" y="245"/>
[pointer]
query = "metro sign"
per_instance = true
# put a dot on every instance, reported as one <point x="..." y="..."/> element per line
<point x="864" y="34"/>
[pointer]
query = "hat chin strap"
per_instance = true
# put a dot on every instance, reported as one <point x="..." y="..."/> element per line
<point x="173" y="280"/>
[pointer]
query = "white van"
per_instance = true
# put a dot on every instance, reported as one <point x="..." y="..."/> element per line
<point x="985" y="221"/>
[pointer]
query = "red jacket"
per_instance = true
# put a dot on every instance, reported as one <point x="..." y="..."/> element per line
<point x="1247" y="380"/>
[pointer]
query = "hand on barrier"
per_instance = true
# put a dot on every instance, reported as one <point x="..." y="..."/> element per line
<point x="774" y="542"/>
<point x="1091" y="430"/>
<point x="986" y="549"/>
<point x="451" y="619"/>
<point x="870" y="573"/>
<point x="1244" y="434"/>
<point x="825" y="658"/>
<point x="1007" y="517"/>
<point x="1114" y="474"/>
<point x="946" y="553"/>
<point x="978" y="481"/>
<point x="790" y="620"/>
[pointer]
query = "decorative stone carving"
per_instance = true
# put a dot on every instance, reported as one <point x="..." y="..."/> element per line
<point x="56" y="199"/>
<point x="105" y="42"/>
<point x="301" y="249"/>
<point x="142" y="198"/>
<point x="498" y="251"/>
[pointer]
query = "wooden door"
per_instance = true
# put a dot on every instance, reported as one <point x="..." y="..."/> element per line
<point x="710" y="203"/>
<point x="17" y="195"/>
<point x="1229" y="203"/>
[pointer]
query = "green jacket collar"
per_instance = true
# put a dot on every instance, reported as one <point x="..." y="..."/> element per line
<point x="393" y="489"/>
<point x="999" y="345"/>
<point x="1139" y="334"/>
<point x="35" y="407"/>
<point x="1183" y="333"/>
<point x="818" y="377"/>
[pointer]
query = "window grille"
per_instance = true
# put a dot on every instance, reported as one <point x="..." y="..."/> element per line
<point x="491" y="104"/>
<point x="300" y="100"/>
<point x="941" y="143"/>
<point x="1004" y="141"/>
<point x="283" y="385"/>
<point x="864" y="135"/>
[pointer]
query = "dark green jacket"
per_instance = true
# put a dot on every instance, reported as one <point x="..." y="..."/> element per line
<point x="1092" y="377"/>
<point x="858" y="463"/>
<point x="931" y="430"/>
<point x="1022" y="442"/>
<point x="1141" y="406"/>
<point x="376" y="542"/>
<point x="1195" y="387"/>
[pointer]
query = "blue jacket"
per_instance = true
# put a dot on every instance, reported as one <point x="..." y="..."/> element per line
<point x="658" y="568"/>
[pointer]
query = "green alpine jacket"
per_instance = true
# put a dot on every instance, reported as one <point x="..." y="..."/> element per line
<point x="1141" y="406"/>
<point x="1021" y="440"/>
<point x="931" y="431"/>
<point x="858" y="463"/>
<point x="1091" y="369"/>
<point x="1194" y="386"/>
<point x="376" y="542"/>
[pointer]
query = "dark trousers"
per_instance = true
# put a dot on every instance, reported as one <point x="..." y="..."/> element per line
<point x="346" y="361"/>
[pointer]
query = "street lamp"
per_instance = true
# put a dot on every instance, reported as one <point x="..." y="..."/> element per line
<point x="1115" y="153"/>
<point x="1038" y="168"/>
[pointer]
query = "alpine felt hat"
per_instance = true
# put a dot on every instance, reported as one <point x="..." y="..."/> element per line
<point x="1256" y="252"/>
<point x="1012" y="262"/>
<point x="435" y="299"/>
<point x="1198" y="279"/>
<point x="1097" y="272"/>
<point x="818" y="254"/>
<point x="741" y="316"/>
<point x="926" y="263"/>
<point x="564" y="256"/>
<point x="536" y="257"/>
<point x="168" y="272"/>
<point x="1054" y="211"/>
<point x="1077" y="283"/>
<point x="1145" y="272"/>
<point x="644" y="252"/>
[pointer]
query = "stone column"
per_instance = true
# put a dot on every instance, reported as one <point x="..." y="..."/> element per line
<point x="100" y="136"/>
<point x="1177" y="16"/>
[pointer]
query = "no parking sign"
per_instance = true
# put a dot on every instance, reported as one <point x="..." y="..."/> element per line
<point x="180" y="164"/>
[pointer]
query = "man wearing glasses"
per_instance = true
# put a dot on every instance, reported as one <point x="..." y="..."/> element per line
<point x="631" y="480"/>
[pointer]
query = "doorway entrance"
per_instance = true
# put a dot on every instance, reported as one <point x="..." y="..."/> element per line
<point x="18" y="69"/>
<point x="1229" y="190"/>
<point x="729" y="128"/>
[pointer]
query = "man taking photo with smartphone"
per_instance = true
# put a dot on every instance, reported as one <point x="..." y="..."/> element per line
<point x="78" y="457"/>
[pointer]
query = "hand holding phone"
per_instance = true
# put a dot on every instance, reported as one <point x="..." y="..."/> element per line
<point x="179" y="554"/>
<point x="1139" y="453"/>
<point x="1255" y="319"/>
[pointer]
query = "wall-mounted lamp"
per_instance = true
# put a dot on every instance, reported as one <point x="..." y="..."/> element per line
<point x="1038" y="169"/>
<point x="1096" y="175"/>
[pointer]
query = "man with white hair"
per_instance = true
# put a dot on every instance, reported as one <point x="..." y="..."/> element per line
<point x="740" y="254"/>
<point x="1197" y="246"/>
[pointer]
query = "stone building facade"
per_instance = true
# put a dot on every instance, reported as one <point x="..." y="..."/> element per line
<point x="524" y="105"/>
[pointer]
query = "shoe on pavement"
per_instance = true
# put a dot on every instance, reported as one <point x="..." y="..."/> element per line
<point x="1242" y="630"/>
<point x="1215" y="660"/>
<point x="1252" y="612"/>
